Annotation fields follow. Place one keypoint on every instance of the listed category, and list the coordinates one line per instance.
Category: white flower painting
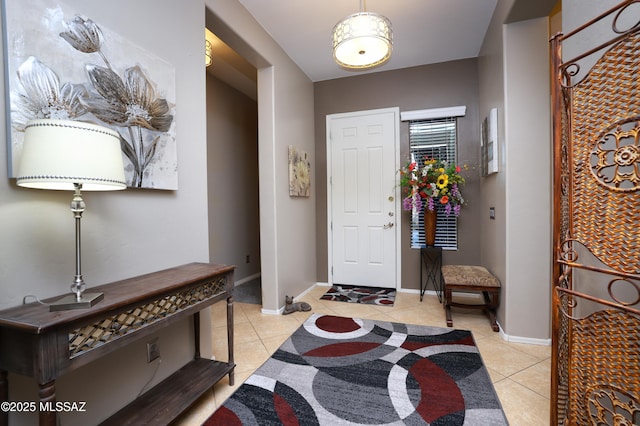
(299, 173)
(64, 65)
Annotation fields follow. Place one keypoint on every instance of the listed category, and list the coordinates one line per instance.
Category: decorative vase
(429, 221)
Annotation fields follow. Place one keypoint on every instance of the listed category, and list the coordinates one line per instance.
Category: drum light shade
(362, 41)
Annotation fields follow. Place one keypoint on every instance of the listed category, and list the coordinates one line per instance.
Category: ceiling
(424, 32)
(231, 68)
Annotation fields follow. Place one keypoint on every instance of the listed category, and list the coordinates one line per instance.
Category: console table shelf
(45, 345)
(165, 401)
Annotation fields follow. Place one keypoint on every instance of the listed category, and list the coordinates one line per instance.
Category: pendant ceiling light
(208, 53)
(209, 40)
(362, 41)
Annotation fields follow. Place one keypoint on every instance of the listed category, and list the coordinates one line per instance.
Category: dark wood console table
(45, 345)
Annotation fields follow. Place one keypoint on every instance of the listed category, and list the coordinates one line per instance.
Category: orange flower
(444, 199)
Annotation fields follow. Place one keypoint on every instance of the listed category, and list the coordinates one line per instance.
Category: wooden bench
(471, 279)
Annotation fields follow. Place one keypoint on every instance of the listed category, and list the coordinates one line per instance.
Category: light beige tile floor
(520, 372)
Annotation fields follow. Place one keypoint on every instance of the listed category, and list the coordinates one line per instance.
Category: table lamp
(73, 156)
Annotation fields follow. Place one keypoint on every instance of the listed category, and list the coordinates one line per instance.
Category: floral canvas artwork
(65, 65)
(299, 173)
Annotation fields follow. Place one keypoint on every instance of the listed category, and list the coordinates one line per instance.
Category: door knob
(388, 225)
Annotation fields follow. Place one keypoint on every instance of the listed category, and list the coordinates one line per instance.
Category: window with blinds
(434, 138)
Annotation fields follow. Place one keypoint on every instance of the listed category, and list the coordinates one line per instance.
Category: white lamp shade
(362, 41)
(56, 154)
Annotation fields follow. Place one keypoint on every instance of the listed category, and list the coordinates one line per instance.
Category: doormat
(361, 294)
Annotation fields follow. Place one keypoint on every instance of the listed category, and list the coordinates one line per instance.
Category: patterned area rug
(344, 371)
(360, 294)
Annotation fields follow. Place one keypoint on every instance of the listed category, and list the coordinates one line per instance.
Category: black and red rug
(361, 294)
(345, 371)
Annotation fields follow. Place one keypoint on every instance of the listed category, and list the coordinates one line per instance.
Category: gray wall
(516, 246)
(133, 232)
(232, 159)
(528, 179)
(577, 12)
(285, 117)
(433, 86)
(124, 233)
(514, 76)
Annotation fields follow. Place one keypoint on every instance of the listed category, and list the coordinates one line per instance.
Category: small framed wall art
(299, 173)
(489, 143)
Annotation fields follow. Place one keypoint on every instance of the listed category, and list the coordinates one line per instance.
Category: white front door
(362, 156)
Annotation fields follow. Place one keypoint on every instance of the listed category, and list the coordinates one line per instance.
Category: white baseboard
(304, 292)
(526, 340)
(414, 291)
(247, 279)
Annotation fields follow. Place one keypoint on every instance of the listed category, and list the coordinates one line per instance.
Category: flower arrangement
(433, 182)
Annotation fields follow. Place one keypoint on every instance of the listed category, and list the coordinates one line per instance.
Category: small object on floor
(290, 306)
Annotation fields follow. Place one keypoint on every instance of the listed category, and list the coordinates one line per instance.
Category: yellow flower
(441, 170)
(443, 181)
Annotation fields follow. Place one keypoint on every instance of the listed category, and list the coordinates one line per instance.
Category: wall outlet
(492, 213)
(153, 350)
(248, 259)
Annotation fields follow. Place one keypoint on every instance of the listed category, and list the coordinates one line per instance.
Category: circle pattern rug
(347, 371)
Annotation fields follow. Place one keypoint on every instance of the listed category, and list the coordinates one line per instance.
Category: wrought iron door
(596, 292)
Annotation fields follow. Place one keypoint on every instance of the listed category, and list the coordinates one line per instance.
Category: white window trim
(446, 227)
(428, 114)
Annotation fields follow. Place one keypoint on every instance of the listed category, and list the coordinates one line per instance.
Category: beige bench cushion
(465, 275)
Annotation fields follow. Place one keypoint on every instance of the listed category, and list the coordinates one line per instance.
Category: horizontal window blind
(434, 138)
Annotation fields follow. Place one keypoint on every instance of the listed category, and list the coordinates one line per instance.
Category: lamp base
(69, 302)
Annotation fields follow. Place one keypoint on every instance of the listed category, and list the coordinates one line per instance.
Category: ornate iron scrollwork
(615, 157)
(612, 406)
